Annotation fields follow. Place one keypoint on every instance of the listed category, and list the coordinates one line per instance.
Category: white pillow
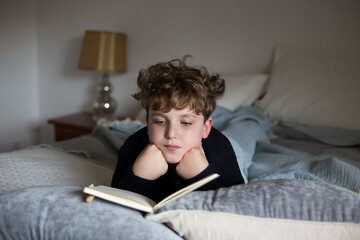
(193, 224)
(313, 88)
(242, 90)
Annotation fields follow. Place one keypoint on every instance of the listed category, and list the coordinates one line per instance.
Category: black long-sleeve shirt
(218, 151)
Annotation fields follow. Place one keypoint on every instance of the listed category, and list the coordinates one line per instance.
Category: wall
(19, 106)
(226, 36)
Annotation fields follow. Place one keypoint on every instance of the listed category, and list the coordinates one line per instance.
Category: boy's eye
(158, 122)
(186, 123)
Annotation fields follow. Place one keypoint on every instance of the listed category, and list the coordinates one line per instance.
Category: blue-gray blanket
(264, 150)
(269, 151)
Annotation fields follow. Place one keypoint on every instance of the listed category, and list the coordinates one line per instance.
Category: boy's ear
(207, 127)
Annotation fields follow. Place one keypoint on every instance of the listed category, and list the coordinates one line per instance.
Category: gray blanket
(269, 151)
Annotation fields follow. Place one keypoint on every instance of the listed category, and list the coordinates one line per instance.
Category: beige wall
(227, 36)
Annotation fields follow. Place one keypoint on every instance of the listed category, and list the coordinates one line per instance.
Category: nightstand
(73, 125)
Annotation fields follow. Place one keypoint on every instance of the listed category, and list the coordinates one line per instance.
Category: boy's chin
(172, 159)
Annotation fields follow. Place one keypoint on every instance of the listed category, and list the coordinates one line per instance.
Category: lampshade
(103, 51)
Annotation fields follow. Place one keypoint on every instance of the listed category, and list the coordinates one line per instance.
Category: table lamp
(106, 52)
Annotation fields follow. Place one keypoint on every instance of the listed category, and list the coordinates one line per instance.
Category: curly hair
(175, 85)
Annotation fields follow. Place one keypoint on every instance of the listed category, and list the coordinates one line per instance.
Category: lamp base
(105, 105)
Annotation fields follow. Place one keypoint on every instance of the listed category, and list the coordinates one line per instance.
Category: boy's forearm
(206, 172)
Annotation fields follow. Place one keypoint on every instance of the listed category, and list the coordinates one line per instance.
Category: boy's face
(176, 132)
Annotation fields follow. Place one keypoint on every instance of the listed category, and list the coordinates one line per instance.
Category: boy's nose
(171, 131)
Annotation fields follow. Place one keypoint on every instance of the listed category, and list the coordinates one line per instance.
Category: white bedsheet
(38, 167)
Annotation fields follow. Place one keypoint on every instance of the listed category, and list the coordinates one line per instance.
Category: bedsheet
(38, 167)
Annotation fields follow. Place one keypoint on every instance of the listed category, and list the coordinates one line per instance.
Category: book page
(140, 202)
(122, 197)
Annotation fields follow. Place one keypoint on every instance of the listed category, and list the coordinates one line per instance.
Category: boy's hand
(192, 163)
(150, 164)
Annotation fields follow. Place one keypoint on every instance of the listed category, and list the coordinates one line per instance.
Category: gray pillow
(273, 209)
(281, 198)
(60, 212)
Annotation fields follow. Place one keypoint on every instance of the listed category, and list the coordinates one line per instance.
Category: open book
(140, 202)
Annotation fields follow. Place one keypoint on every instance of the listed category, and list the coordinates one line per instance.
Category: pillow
(313, 88)
(218, 225)
(60, 212)
(242, 90)
(282, 209)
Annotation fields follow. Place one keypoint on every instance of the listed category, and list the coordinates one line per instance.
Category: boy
(179, 145)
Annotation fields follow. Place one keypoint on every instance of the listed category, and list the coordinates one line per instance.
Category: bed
(296, 135)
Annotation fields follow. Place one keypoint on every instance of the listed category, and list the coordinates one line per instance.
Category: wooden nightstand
(74, 125)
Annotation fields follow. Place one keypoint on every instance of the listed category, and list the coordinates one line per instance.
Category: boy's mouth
(171, 147)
